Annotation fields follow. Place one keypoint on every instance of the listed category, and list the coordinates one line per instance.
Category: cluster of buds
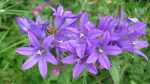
(73, 39)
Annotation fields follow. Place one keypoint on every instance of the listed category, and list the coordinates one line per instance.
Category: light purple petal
(80, 49)
(68, 14)
(69, 59)
(68, 45)
(78, 68)
(58, 21)
(104, 61)
(60, 10)
(113, 50)
(92, 58)
(47, 41)
(121, 14)
(30, 62)
(95, 33)
(24, 23)
(51, 59)
(33, 39)
(28, 51)
(42, 68)
(91, 68)
(73, 30)
(104, 22)
(140, 44)
(140, 27)
(106, 36)
(137, 52)
(83, 19)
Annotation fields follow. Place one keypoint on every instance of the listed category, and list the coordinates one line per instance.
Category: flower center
(100, 50)
(133, 43)
(61, 41)
(81, 35)
(51, 30)
(40, 52)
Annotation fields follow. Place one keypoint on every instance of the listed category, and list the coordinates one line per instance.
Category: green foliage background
(126, 68)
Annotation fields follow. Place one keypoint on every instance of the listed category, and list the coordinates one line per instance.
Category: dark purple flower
(38, 53)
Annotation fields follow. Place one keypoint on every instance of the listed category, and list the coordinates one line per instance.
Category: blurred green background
(126, 68)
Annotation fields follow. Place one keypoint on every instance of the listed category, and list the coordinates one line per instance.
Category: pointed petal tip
(139, 53)
(77, 70)
(43, 68)
(29, 63)
(92, 58)
(51, 59)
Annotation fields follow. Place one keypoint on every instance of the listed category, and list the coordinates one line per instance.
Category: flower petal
(42, 68)
(30, 62)
(78, 68)
(137, 52)
(52, 59)
(121, 14)
(83, 19)
(69, 59)
(33, 39)
(60, 11)
(68, 45)
(24, 23)
(47, 41)
(73, 30)
(106, 36)
(92, 58)
(28, 51)
(104, 61)
(91, 68)
(80, 49)
(113, 50)
(140, 44)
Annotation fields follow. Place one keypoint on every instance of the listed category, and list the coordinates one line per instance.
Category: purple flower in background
(39, 8)
(78, 61)
(56, 71)
(38, 53)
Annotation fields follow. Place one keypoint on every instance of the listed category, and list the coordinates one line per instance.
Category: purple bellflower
(38, 53)
(38, 27)
(100, 54)
(86, 31)
(124, 33)
(77, 41)
(61, 21)
(79, 62)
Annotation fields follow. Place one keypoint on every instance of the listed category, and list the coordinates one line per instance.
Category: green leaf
(115, 72)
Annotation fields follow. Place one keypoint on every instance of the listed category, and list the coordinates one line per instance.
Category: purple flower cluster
(73, 39)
